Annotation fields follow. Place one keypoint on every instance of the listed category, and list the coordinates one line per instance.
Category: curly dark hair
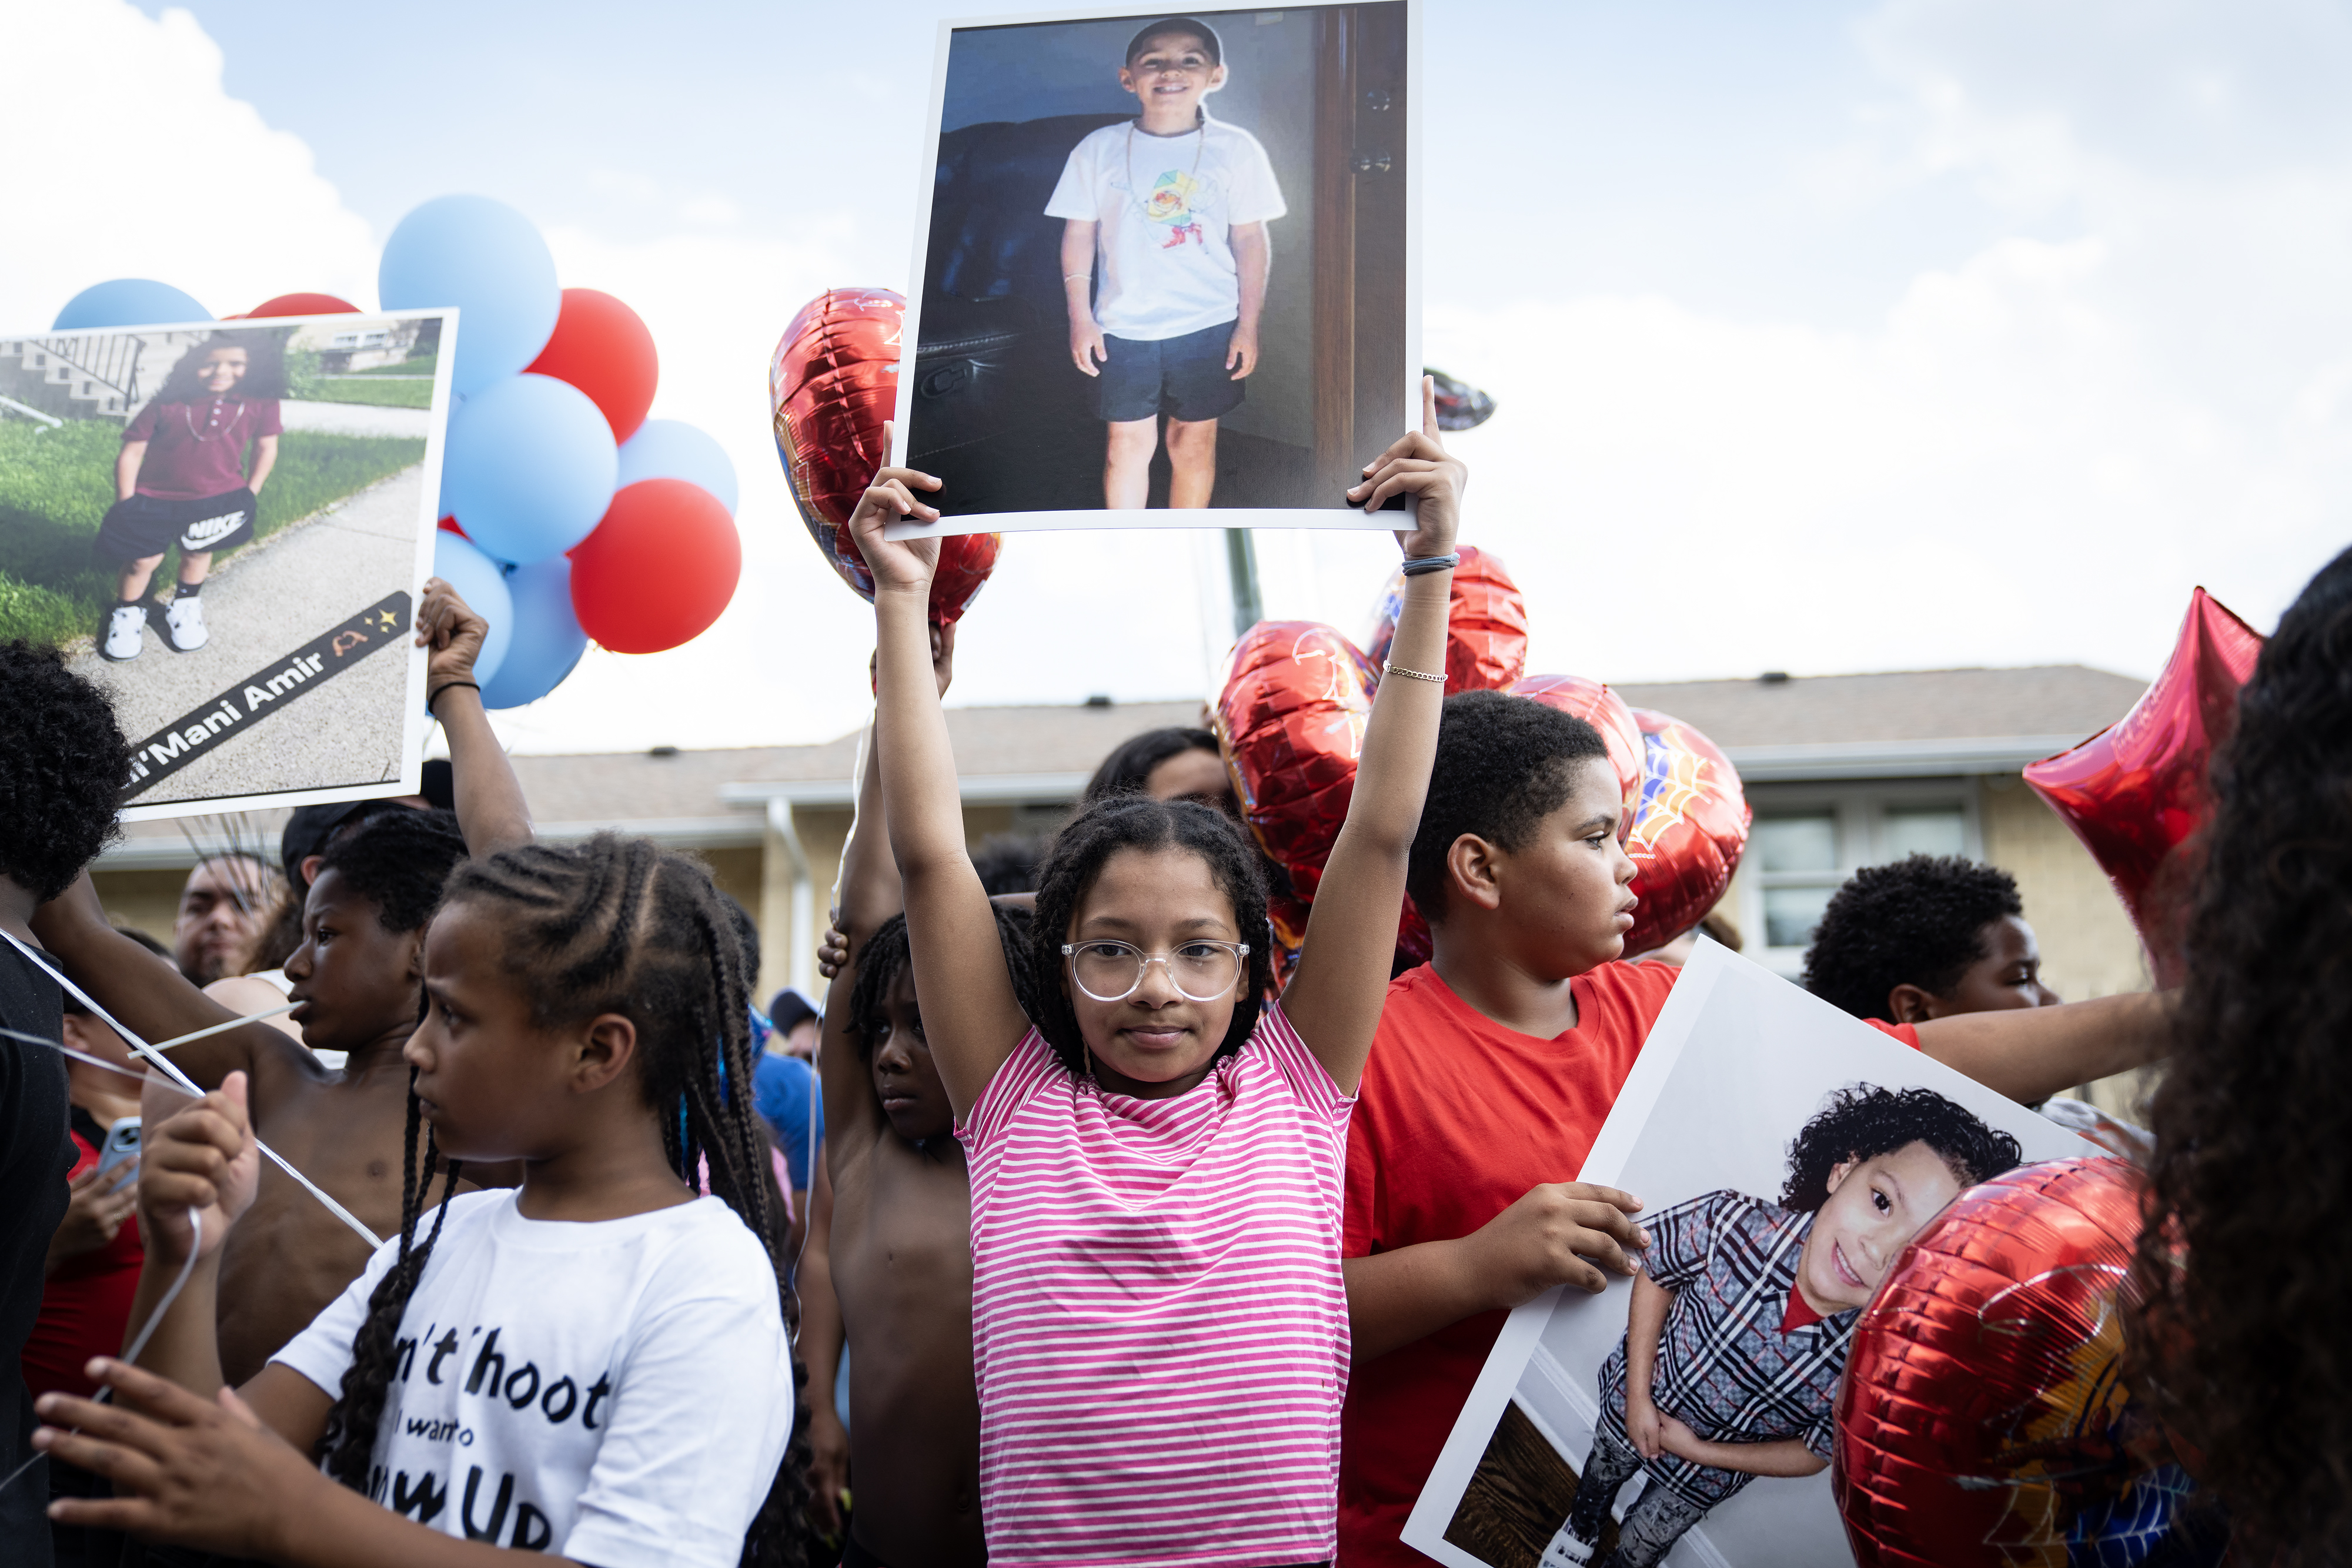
(63, 767)
(1862, 1121)
(1503, 764)
(399, 862)
(886, 953)
(1918, 921)
(1007, 863)
(619, 926)
(1129, 767)
(1080, 851)
(265, 364)
(2238, 1285)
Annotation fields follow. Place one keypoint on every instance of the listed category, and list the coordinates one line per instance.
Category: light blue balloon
(548, 641)
(128, 302)
(669, 449)
(482, 584)
(528, 468)
(487, 259)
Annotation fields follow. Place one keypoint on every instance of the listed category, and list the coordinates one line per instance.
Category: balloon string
(146, 1330)
(172, 1071)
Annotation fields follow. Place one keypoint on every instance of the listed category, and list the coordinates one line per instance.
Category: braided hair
(618, 925)
(887, 953)
(1079, 852)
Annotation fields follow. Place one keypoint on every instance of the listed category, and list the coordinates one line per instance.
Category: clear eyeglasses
(1112, 971)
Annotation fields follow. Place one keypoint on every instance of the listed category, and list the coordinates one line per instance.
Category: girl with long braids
(593, 1366)
(1160, 1325)
(2238, 1284)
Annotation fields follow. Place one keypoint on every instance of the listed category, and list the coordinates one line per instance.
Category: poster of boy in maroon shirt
(214, 520)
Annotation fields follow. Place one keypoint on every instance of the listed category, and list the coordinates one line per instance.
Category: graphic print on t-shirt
(1170, 202)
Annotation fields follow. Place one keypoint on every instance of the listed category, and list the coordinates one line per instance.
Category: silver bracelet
(1068, 276)
(1422, 565)
(1417, 674)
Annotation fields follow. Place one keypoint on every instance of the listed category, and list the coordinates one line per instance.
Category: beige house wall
(148, 900)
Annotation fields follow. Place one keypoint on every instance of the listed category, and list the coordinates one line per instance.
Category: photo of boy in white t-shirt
(1165, 258)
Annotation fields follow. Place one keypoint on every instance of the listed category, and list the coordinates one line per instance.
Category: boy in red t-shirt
(1495, 1065)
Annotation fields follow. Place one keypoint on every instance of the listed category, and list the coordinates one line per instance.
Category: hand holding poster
(1786, 1152)
(1167, 266)
(215, 520)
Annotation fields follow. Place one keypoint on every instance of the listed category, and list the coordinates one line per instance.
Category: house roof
(1909, 723)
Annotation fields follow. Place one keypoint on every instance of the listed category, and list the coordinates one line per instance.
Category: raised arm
(949, 925)
(153, 998)
(2032, 1053)
(491, 810)
(1333, 999)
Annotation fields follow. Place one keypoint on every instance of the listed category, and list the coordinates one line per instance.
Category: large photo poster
(1167, 267)
(226, 526)
(1785, 1153)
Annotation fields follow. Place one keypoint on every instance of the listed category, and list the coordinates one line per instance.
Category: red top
(1799, 1313)
(1457, 1118)
(88, 1301)
(196, 449)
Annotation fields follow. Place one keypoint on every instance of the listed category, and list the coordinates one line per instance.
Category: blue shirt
(783, 1090)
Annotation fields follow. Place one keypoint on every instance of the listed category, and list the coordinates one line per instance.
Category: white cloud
(128, 160)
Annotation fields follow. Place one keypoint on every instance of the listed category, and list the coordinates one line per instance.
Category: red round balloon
(658, 569)
(604, 348)
(301, 305)
(2136, 792)
(1689, 830)
(1983, 1418)
(833, 383)
(1485, 624)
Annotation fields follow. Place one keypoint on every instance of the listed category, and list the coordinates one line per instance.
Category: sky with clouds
(1827, 336)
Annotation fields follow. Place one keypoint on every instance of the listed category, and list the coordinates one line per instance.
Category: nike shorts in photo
(1184, 378)
(148, 525)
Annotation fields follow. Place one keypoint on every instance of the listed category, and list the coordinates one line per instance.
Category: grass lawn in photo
(56, 485)
(374, 391)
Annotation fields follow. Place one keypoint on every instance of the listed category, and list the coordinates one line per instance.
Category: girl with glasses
(1157, 1155)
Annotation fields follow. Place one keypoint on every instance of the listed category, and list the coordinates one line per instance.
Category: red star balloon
(1485, 624)
(2136, 792)
(1983, 1419)
(833, 383)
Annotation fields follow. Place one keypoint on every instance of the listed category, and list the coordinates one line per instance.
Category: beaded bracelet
(1421, 565)
(1417, 674)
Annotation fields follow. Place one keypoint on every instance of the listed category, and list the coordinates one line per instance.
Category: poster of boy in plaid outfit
(1739, 1319)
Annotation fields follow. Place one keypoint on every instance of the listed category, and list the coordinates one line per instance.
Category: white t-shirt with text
(617, 1392)
(1165, 207)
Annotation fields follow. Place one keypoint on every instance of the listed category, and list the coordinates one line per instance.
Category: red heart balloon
(833, 383)
(2136, 793)
(1689, 830)
(1291, 707)
(1983, 1418)
(1485, 624)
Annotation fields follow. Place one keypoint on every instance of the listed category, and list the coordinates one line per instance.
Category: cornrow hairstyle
(63, 766)
(1078, 855)
(1127, 770)
(399, 862)
(1503, 764)
(1862, 1121)
(2235, 1286)
(886, 953)
(618, 925)
(1919, 920)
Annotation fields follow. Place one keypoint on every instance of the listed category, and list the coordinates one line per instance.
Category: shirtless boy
(356, 980)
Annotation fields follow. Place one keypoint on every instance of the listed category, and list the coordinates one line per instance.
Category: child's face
(1876, 1206)
(491, 1080)
(1171, 75)
(1562, 901)
(354, 981)
(222, 370)
(906, 1079)
(1157, 900)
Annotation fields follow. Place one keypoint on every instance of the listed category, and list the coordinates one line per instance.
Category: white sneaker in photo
(122, 639)
(183, 626)
(1565, 1550)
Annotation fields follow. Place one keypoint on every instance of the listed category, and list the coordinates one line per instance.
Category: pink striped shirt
(1158, 1324)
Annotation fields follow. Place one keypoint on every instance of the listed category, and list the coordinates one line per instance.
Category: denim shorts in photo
(1184, 378)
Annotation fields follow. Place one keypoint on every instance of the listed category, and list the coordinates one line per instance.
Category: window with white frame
(1807, 840)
